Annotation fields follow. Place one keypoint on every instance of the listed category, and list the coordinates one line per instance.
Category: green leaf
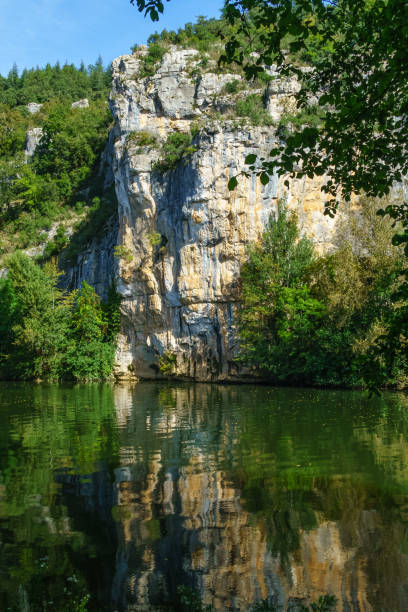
(264, 178)
(251, 158)
(232, 183)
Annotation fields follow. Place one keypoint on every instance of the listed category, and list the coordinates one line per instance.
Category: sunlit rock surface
(81, 103)
(184, 234)
(33, 107)
(33, 138)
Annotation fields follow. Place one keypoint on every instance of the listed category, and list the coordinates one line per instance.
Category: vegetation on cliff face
(203, 35)
(178, 146)
(321, 320)
(48, 334)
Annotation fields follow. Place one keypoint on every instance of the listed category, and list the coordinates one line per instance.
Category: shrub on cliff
(252, 107)
(151, 59)
(141, 139)
(202, 35)
(177, 146)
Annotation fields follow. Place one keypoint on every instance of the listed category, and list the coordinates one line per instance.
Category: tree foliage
(151, 7)
(71, 144)
(279, 316)
(52, 335)
(320, 320)
(91, 353)
(359, 77)
(65, 83)
(66, 162)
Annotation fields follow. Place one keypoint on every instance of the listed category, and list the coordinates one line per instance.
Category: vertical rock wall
(183, 235)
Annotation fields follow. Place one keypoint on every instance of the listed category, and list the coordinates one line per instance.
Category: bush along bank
(320, 321)
(51, 335)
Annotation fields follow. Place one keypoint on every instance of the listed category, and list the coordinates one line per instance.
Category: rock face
(185, 235)
(33, 107)
(33, 138)
(182, 235)
(80, 104)
(96, 263)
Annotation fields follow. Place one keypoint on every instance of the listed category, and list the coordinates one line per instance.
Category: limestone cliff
(182, 235)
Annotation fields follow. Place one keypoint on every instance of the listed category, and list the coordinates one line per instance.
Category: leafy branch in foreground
(150, 7)
(359, 78)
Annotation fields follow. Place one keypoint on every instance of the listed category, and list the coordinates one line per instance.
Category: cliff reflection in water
(249, 493)
(241, 493)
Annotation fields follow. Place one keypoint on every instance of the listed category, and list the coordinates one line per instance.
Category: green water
(113, 497)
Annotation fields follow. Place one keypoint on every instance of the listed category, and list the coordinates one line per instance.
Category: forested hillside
(60, 184)
(47, 199)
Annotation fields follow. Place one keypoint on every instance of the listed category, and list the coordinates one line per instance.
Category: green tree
(45, 333)
(13, 126)
(97, 76)
(8, 307)
(112, 314)
(40, 315)
(325, 320)
(34, 190)
(91, 353)
(279, 316)
(52, 82)
(72, 142)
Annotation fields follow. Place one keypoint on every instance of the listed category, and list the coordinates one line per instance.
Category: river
(114, 497)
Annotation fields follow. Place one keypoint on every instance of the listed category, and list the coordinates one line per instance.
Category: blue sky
(34, 32)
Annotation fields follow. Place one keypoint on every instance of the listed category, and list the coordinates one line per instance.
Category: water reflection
(242, 493)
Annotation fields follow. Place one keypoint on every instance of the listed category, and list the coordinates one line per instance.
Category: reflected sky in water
(113, 497)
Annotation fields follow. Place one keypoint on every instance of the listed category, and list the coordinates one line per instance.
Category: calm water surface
(122, 494)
